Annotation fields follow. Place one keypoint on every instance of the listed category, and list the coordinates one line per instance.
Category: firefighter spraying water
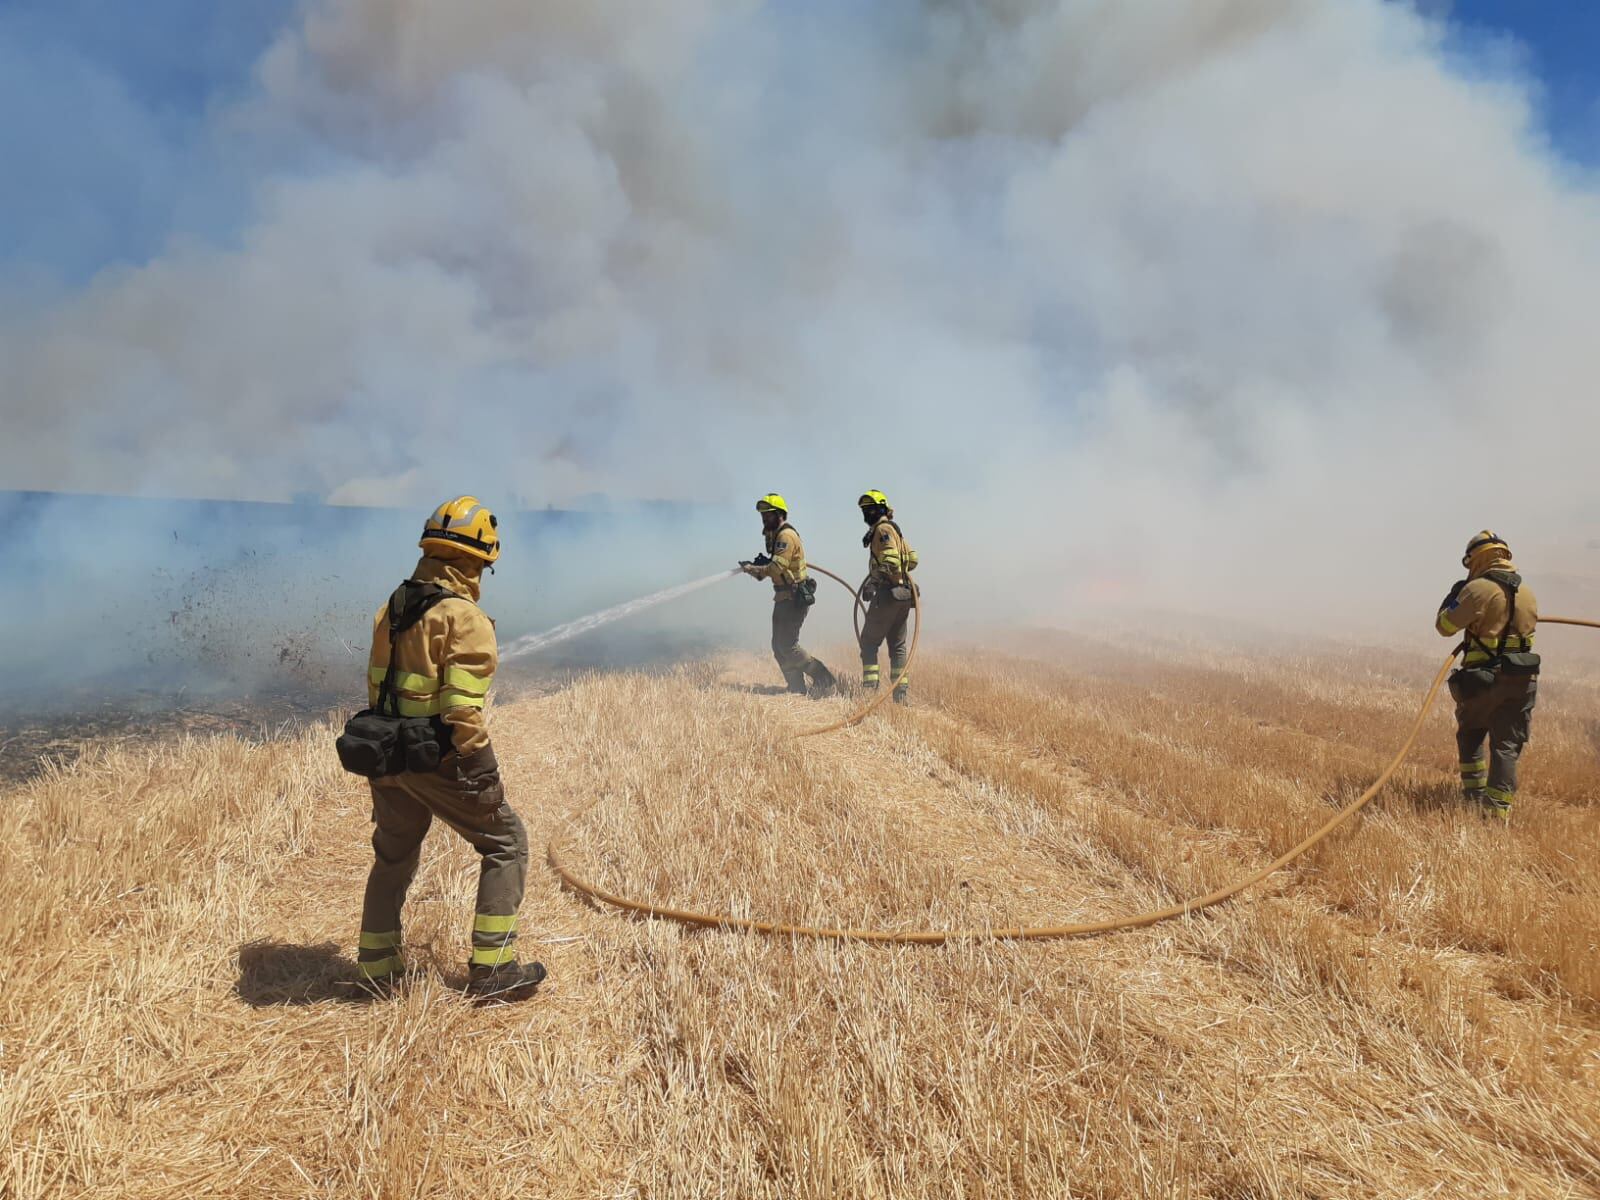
(793, 594)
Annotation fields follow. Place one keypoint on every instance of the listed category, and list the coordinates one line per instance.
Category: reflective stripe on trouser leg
(1499, 795)
(1475, 775)
(378, 954)
(885, 622)
(1509, 726)
(400, 822)
(791, 656)
(493, 939)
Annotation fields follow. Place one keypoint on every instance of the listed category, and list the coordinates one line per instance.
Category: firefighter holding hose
(1497, 684)
(888, 593)
(424, 744)
(793, 594)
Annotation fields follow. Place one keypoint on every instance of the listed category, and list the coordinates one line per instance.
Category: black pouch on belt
(370, 745)
(805, 592)
(425, 741)
(374, 744)
(1471, 682)
(1524, 662)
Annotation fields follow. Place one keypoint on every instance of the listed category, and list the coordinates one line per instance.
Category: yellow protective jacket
(890, 560)
(446, 661)
(788, 554)
(1479, 612)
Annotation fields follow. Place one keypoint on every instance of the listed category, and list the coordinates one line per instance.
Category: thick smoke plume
(1233, 305)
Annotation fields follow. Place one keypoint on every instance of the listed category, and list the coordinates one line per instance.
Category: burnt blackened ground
(30, 740)
(312, 688)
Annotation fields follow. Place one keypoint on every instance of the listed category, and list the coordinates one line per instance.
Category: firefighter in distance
(793, 594)
(1497, 684)
(888, 593)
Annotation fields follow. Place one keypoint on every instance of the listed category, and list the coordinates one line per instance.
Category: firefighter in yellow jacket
(433, 660)
(1497, 684)
(888, 593)
(793, 594)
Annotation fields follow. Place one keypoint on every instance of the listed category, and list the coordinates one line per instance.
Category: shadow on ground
(273, 973)
(1414, 795)
(1429, 796)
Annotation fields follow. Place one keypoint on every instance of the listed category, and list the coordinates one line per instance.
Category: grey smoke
(1147, 302)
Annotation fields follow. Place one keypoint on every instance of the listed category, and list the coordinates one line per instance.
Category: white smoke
(1165, 297)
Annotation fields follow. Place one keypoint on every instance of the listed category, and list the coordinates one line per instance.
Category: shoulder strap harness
(407, 605)
(1509, 582)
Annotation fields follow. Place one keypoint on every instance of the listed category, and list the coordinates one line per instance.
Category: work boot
(796, 679)
(510, 980)
(382, 987)
(902, 695)
(1495, 803)
(823, 682)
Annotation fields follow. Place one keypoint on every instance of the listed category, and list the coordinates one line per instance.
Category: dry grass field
(1414, 1010)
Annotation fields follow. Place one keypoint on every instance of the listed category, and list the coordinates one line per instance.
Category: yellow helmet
(772, 502)
(464, 526)
(873, 498)
(1487, 546)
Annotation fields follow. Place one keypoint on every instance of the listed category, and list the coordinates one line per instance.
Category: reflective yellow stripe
(420, 708)
(383, 966)
(485, 923)
(1483, 649)
(456, 700)
(406, 681)
(379, 941)
(493, 956)
(1447, 626)
(457, 680)
(1504, 795)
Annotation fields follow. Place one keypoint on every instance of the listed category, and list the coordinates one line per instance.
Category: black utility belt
(803, 593)
(376, 745)
(900, 592)
(1472, 681)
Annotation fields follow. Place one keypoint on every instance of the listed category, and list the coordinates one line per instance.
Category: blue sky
(108, 153)
(1558, 43)
(102, 125)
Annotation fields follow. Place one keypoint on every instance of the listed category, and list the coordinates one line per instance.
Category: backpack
(1474, 681)
(379, 742)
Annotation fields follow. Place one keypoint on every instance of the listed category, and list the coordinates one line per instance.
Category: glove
(1450, 596)
(478, 774)
(869, 592)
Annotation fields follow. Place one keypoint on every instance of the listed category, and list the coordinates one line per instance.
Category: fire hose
(935, 937)
(857, 608)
